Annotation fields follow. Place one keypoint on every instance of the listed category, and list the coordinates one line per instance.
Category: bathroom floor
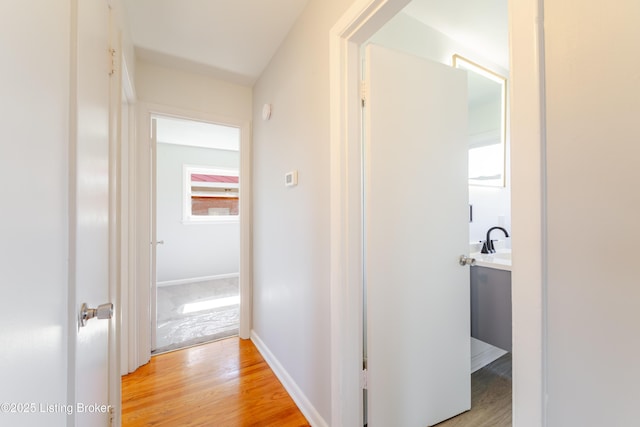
(490, 397)
(194, 313)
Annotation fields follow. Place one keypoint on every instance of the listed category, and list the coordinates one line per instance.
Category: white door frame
(126, 309)
(144, 212)
(359, 23)
(116, 219)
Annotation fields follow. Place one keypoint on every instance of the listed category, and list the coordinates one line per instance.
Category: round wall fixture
(266, 111)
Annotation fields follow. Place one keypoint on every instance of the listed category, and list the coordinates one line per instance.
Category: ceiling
(481, 25)
(231, 39)
(234, 40)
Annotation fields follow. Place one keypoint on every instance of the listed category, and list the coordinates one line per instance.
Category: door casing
(144, 262)
(91, 247)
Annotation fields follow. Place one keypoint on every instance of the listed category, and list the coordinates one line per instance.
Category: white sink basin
(501, 255)
(500, 260)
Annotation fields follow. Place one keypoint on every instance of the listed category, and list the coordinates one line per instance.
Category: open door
(416, 228)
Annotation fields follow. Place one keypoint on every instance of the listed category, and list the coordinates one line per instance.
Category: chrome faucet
(487, 245)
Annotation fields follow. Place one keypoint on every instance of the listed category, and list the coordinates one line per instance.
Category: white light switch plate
(291, 179)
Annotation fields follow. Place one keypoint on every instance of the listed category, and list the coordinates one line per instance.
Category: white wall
(190, 91)
(409, 35)
(593, 149)
(34, 166)
(192, 250)
(291, 225)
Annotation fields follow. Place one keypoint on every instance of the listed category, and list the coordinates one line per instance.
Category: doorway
(197, 229)
(355, 27)
(438, 33)
(141, 298)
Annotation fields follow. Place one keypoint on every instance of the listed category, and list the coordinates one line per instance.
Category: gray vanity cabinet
(491, 306)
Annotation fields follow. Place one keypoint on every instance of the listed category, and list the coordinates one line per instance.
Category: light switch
(291, 179)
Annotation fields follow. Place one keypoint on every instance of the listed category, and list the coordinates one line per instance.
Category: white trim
(196, 279)
(117, 217)
(215, 185)
(360, 21)
(246, 221)
(304, 404)
(153, 220)
(127, 84)
(211, 220)
(528, 195)
(129, 319)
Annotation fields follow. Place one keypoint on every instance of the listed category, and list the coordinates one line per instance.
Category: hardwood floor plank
(225, 383)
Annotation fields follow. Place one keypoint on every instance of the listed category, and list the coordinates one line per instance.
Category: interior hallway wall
(192, 91)
(192, 250)
(291, 224)
(593, 147)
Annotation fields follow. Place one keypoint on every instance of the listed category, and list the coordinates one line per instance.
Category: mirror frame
(469, 65)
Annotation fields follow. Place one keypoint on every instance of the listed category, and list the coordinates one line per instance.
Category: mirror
(486, 123)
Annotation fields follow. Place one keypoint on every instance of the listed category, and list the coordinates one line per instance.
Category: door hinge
(363, 92)
(364, 379)
(112, 414)
(112, 61)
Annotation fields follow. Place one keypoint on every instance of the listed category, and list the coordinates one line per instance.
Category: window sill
(213, 220)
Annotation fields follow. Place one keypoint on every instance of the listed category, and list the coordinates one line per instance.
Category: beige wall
(593, 200)
(191, 91)
(291, 225)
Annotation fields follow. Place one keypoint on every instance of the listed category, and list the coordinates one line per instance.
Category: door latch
(104, 311)
(465, 260)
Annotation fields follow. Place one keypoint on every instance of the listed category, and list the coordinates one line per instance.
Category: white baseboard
(196, 279)
(311, 414)
(482, 354)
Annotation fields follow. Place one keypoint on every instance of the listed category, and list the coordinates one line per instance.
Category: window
(211, 195)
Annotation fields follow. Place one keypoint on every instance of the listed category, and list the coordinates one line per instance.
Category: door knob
(104, 311)
(465, 260)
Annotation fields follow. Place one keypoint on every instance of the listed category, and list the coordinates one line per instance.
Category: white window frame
(187, 216)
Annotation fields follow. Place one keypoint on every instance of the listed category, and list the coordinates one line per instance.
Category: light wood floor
(490, 397)
(224, 384)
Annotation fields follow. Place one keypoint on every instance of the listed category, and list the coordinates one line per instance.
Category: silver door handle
(465, 260)
(159, 242)
(104, 311)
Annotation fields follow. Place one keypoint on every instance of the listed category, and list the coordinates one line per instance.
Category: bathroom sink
(501, 255)
(500, 260)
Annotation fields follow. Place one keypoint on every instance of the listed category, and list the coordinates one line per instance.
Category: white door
(90, 212)
(416, 227)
